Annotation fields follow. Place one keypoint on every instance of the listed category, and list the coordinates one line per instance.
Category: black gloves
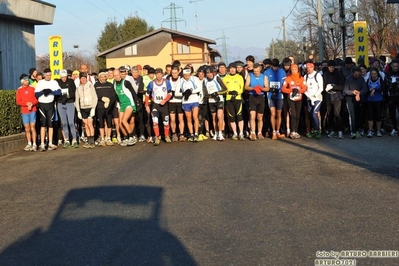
(46, 92)
(215, 96)
(233, 95)
(295, 92)
(187, 94)
(274, 91)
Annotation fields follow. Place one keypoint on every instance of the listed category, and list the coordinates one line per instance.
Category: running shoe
(280, 136)
(310, 134)
(118, 140)
(241, 137)
(60, 142)
(379, 133)
(142, 138)
(216, 136)
(191, 138)
(204, 137)
(182, 138)
(274, 137)
(175, 138)
(28, 148)
(260, 136)
(51, 147)
(340, 135)
(393, 133)
(220, 137)
(168, 140)
(353, 135)
(358, 135)
(131, 141)
(42, 147)
(123, 143)
(252, 136)
(296, 135)
(92, 145)
(108, 142)
(67, 144)
(196, 139)
(211, 134)
(370, 134)
(75, 144)
(317, 134)
(234, 137)
(361, 132)
(86, 145)
(157, 141)
(102, 143)
(150, 139)
(332, 134)
(114, 140)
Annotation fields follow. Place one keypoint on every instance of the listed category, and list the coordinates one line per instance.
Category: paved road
(210, 203)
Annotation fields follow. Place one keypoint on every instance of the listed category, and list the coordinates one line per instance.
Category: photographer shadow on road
(117, 225)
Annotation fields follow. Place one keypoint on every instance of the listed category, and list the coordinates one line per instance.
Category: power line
(145, 12)
(292, 10)
(112, 8)
(157, 3)
(76, 16)
(242, 26)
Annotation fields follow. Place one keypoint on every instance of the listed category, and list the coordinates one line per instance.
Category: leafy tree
(115, 34)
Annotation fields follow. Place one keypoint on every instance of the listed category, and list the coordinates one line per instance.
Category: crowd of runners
(240, 101)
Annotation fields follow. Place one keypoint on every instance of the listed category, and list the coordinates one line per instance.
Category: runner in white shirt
(190, 103)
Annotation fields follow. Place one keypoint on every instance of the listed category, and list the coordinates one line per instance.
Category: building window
(183, 49)
(131, 50)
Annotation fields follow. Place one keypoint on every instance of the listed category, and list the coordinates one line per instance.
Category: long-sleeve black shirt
(105, 89)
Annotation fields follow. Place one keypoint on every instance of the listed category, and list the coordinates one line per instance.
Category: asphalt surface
(210, 203)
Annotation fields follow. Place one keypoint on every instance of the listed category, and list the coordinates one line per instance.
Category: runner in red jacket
(26, 99)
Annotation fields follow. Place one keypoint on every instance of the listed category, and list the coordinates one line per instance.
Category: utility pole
(196, 12)
(284, 38)
(320, 30)
(273, 54)
(224, 48)
(173, 19)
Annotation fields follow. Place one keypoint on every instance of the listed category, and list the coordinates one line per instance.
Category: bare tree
(305, 17)
(382, 25)
(71, 60)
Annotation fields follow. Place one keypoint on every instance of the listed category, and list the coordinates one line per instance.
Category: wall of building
(17, 51)
(159, 60)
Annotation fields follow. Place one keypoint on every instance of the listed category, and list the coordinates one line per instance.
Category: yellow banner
(361, 42)
(56, 59)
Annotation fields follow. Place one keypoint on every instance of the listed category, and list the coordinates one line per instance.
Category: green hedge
(10, 114)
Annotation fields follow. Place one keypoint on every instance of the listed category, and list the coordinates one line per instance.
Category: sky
(245, 24)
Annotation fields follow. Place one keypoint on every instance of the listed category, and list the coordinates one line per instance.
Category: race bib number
(64, 91)
(274, 84)
(211, 87)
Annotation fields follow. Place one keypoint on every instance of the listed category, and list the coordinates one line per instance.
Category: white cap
(63, 73)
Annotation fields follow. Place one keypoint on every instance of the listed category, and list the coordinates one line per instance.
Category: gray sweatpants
(67, 116)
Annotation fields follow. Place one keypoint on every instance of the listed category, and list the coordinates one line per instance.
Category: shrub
(10, 114)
